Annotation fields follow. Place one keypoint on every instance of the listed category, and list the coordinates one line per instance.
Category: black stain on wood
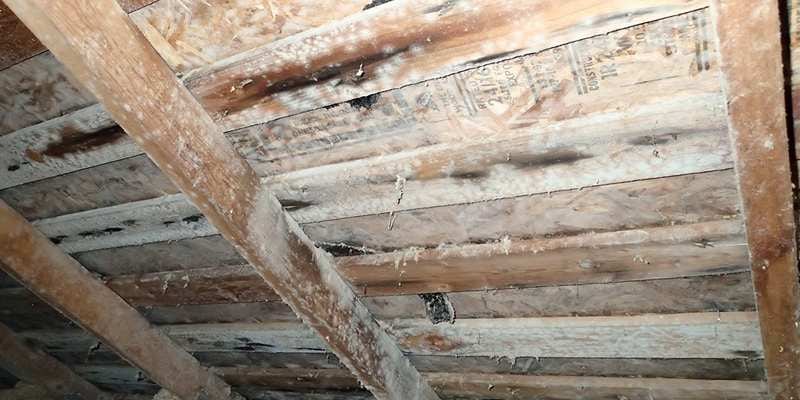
(101, 232)
(364, 103)
(549, 158)
(193, 218)
(58, 239)
(294, 205)
(652, 140)
(469, 175)
(491, 57)
(344, 249)
(13, 168)
(441, 8)
(438, 307)
(374, 3)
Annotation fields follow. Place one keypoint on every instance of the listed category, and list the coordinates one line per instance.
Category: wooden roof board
(450, 159)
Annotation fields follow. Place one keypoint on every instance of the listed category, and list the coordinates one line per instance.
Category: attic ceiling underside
(564, 177)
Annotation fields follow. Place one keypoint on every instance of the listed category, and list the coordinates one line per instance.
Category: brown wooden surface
(18, 43)
(36, 367)
(750, 46)
(64, 284)
(186, 144)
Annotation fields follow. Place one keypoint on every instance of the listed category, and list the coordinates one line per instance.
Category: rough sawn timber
(63, 283)
(105, 51)
(750, 46)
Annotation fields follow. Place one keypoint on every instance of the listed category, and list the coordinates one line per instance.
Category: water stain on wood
(73, 141)
(431, 342)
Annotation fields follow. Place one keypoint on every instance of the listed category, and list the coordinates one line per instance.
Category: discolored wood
(185, 143)
(639, 80)
(412, 41)
(36, 367)
(63, 283)
(750, 45)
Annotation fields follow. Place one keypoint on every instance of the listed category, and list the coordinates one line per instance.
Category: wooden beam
(62, 282)
(750, 48)
(106, 52)
(36, 367)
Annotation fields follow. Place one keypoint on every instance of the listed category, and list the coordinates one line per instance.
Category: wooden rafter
(37, 368)
(106, 52)
(62, 282)
(750, 48)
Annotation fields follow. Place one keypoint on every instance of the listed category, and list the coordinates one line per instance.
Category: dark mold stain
(343, 249)
(364, 103)
(294, 77)
(58, 239)
(168, 223)
(101, 232)
(13, 167)
(491, 57)
(651, 140)
(75, 141)
(293, 205)
(193, 218)
(438, 307)
(552, 157)
(470, 175)
(310, 349)
(442, 8)
(374, 3)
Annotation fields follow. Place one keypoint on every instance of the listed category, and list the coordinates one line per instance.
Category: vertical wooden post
(750, 47)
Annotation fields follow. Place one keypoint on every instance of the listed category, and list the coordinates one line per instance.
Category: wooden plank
(123, 181)
(705, 368)
(664, 201)
(643, 254)
(641, 204)
(591, 258)
(750, 43)
(59, 280)
(477, 384)
(417, 40)
(36, 367)
(569, 388)
(714, 335)
(26, 100)
(632, 64)
(188, 33)
(699, 335)
(192, 34)
(197, 158)
(722, 293)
